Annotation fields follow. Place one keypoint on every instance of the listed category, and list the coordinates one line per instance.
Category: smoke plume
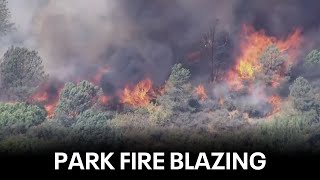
(142, 38)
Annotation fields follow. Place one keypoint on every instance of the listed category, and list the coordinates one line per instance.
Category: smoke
(140, 38)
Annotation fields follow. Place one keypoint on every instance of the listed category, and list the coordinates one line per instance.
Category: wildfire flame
(40, 97)
(275, 101)
(252, 46)
(104, 100)
(200, 91)
(247, 64)
(47, 96)
(140, 95)
(50, 108)
(221, 101)
(245, 69)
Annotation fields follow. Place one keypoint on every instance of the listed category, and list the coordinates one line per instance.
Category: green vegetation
(5, 24)
(305, 98)
(313, 58)
(21, 72)
(177, 119)
(75, 99)
(17, 118)
(273, 64)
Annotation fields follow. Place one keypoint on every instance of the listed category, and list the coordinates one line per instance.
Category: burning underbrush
(252, 46)
(262, 65)
(139, 95)
(183, 110)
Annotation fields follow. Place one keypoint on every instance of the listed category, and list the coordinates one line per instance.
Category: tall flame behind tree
(216, 44)
(264, 59)
(247, 67)
(201, 92)
(251, 48)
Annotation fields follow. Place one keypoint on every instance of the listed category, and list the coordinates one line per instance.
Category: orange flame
(140, 95)
(252, 46)
(48, 98)
(50, 108)
(221, 101)
(104, 100)
(41, 96)
(275, 101)
(200, 91)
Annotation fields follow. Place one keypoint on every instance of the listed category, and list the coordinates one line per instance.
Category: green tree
(5, 24)
(21, 72)
(304, 95)
(313, 58)
(19, 117)
(179, 76)
(76, 98)
(178, 94)
(273, 64)
(92, 127)
(50, 131)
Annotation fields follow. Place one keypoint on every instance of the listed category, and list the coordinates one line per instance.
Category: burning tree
(274, 68)
(21, 72)
(255, 55)
(263, 64)
(216, 45)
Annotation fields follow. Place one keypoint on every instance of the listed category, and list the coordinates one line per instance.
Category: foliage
(91, 127)
(21, 72)
(158, 114)
(313, 58)
(178, 94)
(273, 64)
(175, 120)
(284, 133)
(49, 130)
(179, 76)
(21, 144)
(76, 98)
(303, 95)
(5, 24)
(19, 117)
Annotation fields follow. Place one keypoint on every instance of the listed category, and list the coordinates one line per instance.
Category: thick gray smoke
(142, 37)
